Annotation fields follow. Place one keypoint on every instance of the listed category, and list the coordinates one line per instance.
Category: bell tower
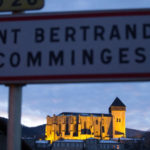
(117, 110)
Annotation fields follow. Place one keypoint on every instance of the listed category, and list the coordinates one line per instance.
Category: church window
(84, 125)
(96, 121)
(59, 128)
(118, 120)
(103, 129)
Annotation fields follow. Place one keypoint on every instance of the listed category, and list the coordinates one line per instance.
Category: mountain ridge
(39, 131)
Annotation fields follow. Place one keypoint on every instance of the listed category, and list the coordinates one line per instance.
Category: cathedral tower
(117, 110)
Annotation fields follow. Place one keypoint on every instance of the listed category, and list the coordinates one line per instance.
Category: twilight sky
(38, 101)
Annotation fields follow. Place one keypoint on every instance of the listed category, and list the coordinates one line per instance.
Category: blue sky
(38, 101)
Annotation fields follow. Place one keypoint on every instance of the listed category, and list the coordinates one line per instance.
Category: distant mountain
(134, 133)
(33, 131)
(39, 131)
(26, 131)
(3, 127)
(3, 119)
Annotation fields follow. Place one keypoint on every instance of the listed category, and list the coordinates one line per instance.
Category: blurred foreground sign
(19, 5)
(75, 47)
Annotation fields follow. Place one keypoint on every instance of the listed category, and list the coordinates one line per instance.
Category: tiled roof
(118, 102)
(82, 114)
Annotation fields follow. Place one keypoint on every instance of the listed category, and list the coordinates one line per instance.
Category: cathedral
(71, 125)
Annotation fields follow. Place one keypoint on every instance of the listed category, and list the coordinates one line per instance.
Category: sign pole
(15, 90)
(14, 122)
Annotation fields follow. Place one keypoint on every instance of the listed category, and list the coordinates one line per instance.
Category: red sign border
(73, 15)
(80, 78)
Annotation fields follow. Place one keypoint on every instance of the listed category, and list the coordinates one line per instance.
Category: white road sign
(74, 47)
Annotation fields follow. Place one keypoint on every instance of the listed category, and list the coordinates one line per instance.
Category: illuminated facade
(88, 125)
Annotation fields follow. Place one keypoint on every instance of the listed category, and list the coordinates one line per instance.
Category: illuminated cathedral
(70, 125)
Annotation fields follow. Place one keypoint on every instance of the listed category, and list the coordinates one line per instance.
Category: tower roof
(118, 102)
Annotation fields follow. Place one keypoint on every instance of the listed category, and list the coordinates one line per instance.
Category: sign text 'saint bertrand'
(88, 56)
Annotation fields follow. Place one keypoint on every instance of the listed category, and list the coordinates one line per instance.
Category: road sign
(20, 5)
(75, 47)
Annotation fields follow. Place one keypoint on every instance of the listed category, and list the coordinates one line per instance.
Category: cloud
(3, 104)
(56, 101)
(67, 5)
(3, 108)
(138, 118)
(3, 114)
(32, 117)
(42, 100)
(33, 121)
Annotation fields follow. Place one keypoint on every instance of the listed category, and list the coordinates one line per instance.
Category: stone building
(81, 126)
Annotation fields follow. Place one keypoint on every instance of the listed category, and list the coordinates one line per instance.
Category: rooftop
(83, 114)
(107, 141)
(117, 102)
(66, 141)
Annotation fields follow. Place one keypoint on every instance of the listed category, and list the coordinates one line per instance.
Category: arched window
(118, 120)
(85, 125)
(96, 121)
